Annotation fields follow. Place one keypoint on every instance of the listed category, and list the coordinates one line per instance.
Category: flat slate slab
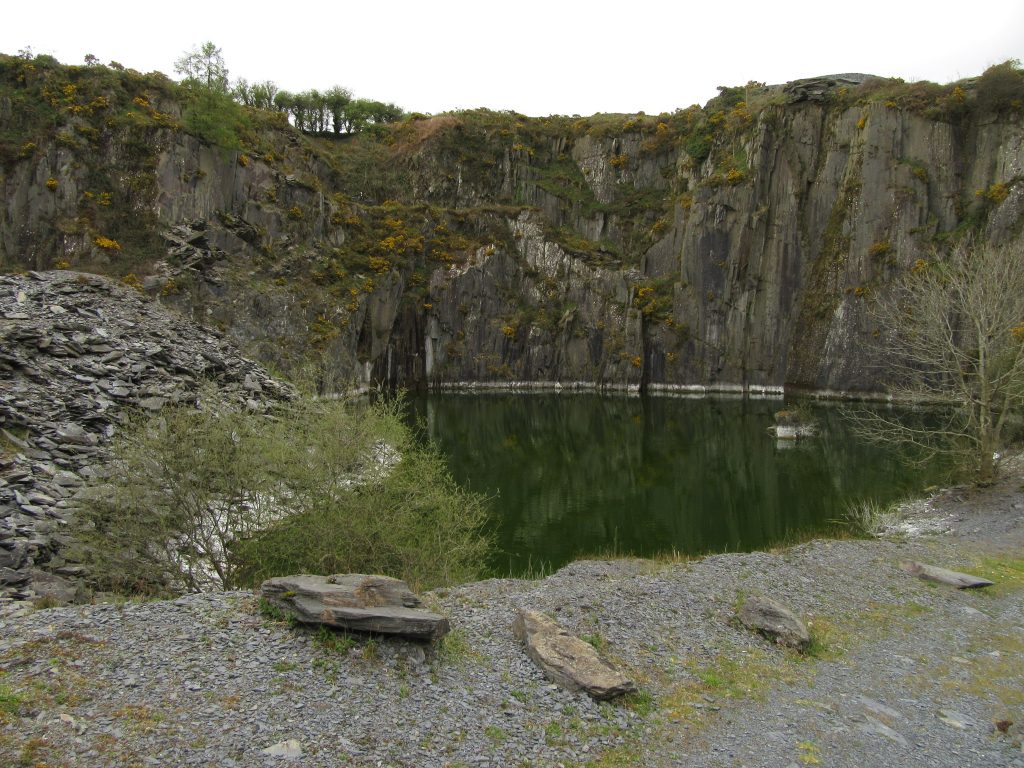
(355, 601)
(567, 660)
(944, 576)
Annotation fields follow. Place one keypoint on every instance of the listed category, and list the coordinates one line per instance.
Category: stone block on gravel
(355, 601)
(290, 749)
(567, 660)
(944, 576)
(775, 621)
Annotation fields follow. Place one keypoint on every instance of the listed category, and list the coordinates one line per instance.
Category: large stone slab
(776, 621)
(355, 601)
(566, 659)
(944, 576)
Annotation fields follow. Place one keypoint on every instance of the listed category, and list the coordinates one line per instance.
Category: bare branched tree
(953, 335)
(204, 67)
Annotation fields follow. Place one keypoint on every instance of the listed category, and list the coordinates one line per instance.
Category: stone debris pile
(76, 351)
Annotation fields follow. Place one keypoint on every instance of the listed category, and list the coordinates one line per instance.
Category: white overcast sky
(538, 57)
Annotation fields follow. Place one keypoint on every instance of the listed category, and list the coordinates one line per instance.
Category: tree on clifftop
(953, 330)
(204, 66)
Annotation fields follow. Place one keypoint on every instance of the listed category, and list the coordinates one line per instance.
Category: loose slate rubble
(76, 351)
(567, 660)
(944, 576)
(355, 601)
(776, 621)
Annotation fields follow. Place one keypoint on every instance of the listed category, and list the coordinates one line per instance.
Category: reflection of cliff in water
(580, 474)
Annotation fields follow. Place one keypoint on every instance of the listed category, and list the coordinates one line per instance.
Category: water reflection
(578, 474)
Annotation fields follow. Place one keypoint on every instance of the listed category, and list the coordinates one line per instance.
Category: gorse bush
(221, 498)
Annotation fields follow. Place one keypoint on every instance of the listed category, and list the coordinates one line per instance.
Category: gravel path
(904, 673)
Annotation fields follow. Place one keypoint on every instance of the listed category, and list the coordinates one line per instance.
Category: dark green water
(579, 474)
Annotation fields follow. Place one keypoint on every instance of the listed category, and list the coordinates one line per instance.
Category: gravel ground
(903, 673)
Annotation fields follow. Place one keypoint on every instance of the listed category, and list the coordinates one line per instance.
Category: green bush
(1001, 87)
(216, 118)
(698, 146)
(224, 498)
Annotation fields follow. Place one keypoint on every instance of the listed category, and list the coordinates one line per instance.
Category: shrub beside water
(224, 498)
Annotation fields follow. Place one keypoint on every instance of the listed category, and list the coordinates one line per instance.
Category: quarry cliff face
(738, 245)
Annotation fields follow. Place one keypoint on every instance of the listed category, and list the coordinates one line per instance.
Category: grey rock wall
(764, 281)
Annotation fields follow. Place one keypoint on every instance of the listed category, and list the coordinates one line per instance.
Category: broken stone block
(775, 621)
(567, 660)
(943, 576)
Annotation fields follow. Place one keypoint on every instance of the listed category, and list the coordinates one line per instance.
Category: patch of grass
(371, 649)
(271, 612)
(141, 719)
(597, 640)
(533, 571)
(732, 674)
(47, 601)
(616, 757)
(9, 446)
(285, 666)
(915, 609)
(495, 734)
(794, 538)
(673, 557)
(11, 702)
(808, 753)
(332, 641)
(994, 676)
(827, 640)
(33, 753)
(642, 702)
(64, 685)
(554, 734)
(455, 648)
(1007, 573)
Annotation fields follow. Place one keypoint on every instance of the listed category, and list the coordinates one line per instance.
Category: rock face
(354, 601)
(566, 659)
(735, 247)
(944, 576)
(76, 351)
(775, 621)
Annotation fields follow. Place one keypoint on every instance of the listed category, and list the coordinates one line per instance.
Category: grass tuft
(333, 642)
(871, 519)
